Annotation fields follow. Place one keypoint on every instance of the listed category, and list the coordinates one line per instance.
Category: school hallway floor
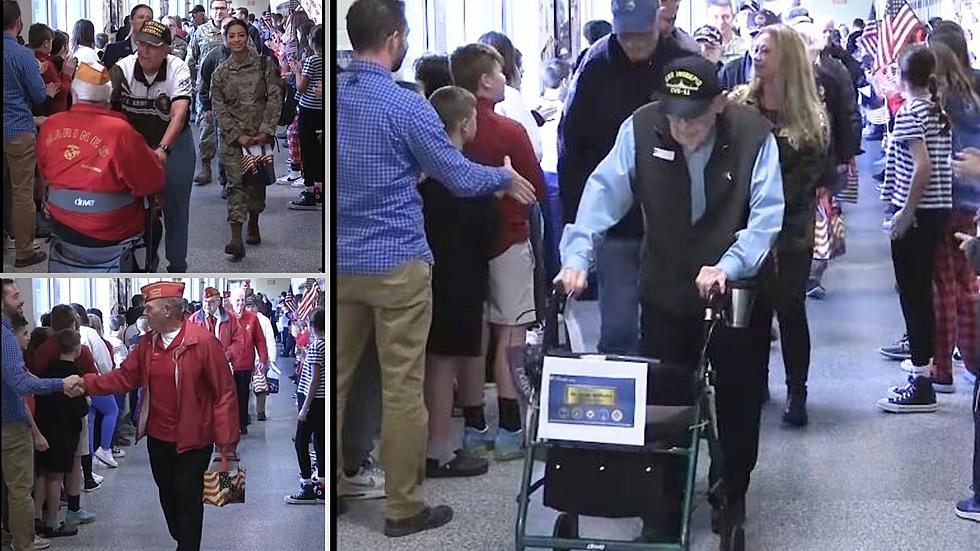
(292, 240)
(130, 518)
(855, 479)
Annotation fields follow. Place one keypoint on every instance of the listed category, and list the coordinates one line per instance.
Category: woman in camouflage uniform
(246, 96)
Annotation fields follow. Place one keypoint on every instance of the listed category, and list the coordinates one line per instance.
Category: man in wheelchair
(706, 174)
(99, 170)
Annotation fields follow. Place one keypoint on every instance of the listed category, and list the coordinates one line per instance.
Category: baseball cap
(708, 34)
(751, 5)
(759, 19)
(154, 33)
(798, 15)
(634, 16)
(690, 85)
(198, 8)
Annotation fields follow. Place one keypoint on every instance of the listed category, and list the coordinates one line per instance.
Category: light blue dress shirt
(608, 196)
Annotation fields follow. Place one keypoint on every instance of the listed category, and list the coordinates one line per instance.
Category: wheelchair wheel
(566, 526)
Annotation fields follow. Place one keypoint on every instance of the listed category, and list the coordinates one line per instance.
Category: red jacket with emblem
(254, 339)
(98, 168)
(228, 331)
(207, 403)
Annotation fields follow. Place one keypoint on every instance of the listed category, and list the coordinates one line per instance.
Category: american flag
(290, 302)
(310, 299)
(897, 28)
(869, 37)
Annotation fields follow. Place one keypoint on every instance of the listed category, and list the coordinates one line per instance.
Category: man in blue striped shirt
(18, 443)
(386, 137)
(22, 85)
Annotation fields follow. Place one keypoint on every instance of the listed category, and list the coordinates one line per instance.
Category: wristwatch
(165, 148)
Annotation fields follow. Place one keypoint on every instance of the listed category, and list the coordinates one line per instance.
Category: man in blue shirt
(706, 175)
(22, 86)
(18, 444)
(386, 137)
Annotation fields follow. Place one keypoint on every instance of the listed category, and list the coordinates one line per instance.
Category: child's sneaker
(476, 442)
(80, 516)
(958, 358)
(508, 445)
(321, 493)
(305, 495)
(969, 509)
(917, 397)
(366, 484)
(898, 351)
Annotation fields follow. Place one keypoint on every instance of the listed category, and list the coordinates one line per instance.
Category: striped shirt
(314, 360)
(917, 119)
(313, 70)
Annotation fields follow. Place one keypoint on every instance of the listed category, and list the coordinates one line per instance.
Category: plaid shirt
(17, 382)
(22, 85)
(386, 137)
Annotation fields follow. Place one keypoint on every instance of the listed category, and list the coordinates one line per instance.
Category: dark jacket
(838, 94)
(116, 51)
(605, 91)
(847, 60)
(735, 72)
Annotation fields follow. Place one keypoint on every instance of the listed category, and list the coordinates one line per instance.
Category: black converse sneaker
(305, 495)
(308, 200)
(917, 397)
(898, 351)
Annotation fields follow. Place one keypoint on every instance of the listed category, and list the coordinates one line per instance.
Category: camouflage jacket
(246, 97)
(205, 38)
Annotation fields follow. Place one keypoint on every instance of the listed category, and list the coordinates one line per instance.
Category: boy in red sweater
(510, 305)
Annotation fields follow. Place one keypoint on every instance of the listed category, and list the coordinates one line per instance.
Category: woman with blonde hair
(784, 91)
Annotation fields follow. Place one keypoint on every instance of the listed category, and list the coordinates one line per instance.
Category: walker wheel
(566, 526)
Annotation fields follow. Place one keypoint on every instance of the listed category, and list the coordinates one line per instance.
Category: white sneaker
(366, 484)
(298, 184)
(118, 452)
(97, 478)
(289, 178)
(917, 369)
(105, 456)
(39, 543)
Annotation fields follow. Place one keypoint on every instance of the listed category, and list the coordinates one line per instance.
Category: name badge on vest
(664, 154)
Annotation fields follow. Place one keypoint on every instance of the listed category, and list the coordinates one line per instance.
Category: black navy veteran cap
(690, 85)
(154, 33)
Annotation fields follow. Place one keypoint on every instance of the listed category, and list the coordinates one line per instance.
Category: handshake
(74, 386)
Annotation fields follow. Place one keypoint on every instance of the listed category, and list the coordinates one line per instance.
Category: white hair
(812, 36)
(237, 292)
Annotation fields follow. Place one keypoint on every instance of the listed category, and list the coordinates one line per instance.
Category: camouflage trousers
(241, 199)
(209, 140)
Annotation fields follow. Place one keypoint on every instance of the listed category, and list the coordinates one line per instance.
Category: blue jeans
(179, 174)
(108, 407)
(617, 262)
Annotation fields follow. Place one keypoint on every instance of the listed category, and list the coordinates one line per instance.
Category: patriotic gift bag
(224, 481)
(272, 379)
(260, 383)
(257, 166)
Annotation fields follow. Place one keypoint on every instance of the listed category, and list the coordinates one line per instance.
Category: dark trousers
(313, 428)
(362, 418)
(789, 301)
(288, 343)
(242, 380)
(310, 121)
(180, 480)
(739, 358)
(913, 258)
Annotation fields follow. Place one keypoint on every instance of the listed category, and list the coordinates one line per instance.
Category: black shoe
(61, 531)
(917, 397)
(305, 496)
(795, 413)
(36, 258)
(243, 430)
(261, 417)
(427, 519)
(460, 466)
(321, 495)
(308, 200)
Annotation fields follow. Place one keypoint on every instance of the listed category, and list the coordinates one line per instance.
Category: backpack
(288, 111)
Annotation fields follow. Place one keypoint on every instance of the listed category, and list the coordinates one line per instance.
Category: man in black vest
(706, 175)
(617, 76)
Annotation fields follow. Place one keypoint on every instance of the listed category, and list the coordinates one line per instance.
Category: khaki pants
(18, 475)
(18, 155)
(398, 306)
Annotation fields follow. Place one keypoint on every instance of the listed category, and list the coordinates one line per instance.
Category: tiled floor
(854, 479)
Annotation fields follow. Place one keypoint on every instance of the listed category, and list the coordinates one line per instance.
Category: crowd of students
(202, 65)
(94, 419)
(434, 238)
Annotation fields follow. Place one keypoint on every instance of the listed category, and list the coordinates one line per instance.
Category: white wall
(340, 20)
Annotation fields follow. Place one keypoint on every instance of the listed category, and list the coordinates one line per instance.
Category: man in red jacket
(98, 170)
(254, 340)
(217, 321)
(188, 406)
